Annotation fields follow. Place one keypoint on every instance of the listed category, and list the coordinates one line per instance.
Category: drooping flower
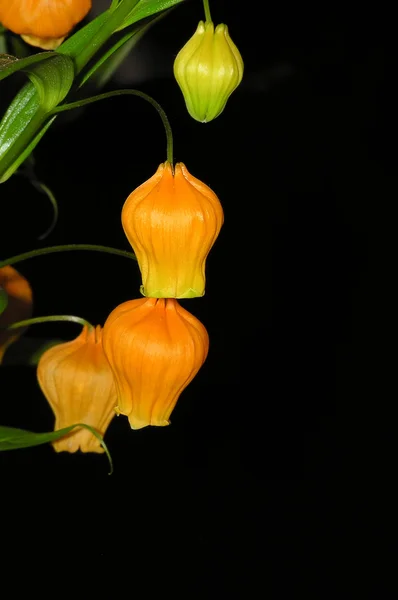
(172, 221)
(155, 349)
(19, 307)
(208, 69)
(43, 23)
(77, 381)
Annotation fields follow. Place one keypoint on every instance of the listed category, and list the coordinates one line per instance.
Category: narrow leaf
(79, 40)
(11, 64)
(86, 42)
(53, 79)
(3, 300)
(13, 439)
(22, 127)
(22, 119)
(146, 8)
(11, 168)
(109, 62)
(3, 42)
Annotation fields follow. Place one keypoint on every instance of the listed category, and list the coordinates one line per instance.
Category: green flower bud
(208, 69)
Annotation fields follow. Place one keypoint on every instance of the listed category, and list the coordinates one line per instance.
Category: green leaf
(28, 149)
(109, 62)
(11, 64)
(83, 37)
(21, 129)
(26, 119)
(13, 439)
(53, 79)
(146, 8)
(3, 300)
(86, 42)
(21, 121)
(3, 41)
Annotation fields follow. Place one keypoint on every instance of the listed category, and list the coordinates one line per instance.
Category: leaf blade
(10, 64)
(3, 300)
(12, 438)
(147, 8)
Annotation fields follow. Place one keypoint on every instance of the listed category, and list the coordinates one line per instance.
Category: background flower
(76, 379)
(42, 23)
(19, 306)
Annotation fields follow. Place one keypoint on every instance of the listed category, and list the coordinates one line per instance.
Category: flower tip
(43, 43)
(137, 424)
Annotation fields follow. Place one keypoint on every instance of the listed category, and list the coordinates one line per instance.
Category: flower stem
(50, 319)
(207, 10)
(20, 257)
(27, 171)
(156, 105)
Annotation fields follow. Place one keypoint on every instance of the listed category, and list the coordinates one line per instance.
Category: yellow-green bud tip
(208, 69)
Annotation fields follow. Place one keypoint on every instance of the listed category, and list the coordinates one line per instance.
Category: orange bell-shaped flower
(19, 306)
(155, 349)
(77, 381)
(172, 221)
(43, 23)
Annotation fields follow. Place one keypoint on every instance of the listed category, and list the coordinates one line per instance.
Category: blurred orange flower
(19, 307)
(155, 349)
(43, 23)
(172, 221)
(77, 381)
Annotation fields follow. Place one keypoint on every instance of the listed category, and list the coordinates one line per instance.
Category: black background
(240, 483)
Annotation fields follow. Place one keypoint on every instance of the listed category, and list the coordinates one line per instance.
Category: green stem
(44, 189)
(27, 171)
(50, 319)
(20, 257)
(156, 105)
(207, 10)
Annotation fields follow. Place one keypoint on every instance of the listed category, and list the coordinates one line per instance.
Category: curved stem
(207, 10)
(44, 189)
(49, 319)
(27, 171)
(20, 257)
(156, 105)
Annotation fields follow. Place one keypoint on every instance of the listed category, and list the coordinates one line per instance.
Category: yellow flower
(77, 381)
(172, 221)
(43, 23)
(208, 69)
(155, 349)
(19, 306)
